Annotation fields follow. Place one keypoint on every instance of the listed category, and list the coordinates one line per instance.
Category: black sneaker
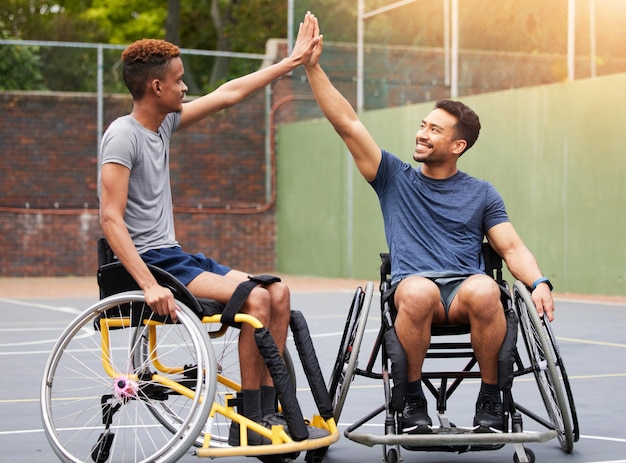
(276, 419)
(254, 438)
(415, 419)
(489, 414)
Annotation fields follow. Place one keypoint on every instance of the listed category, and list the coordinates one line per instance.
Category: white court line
(588, 341)
(30, 329)
(70, 310)
(85, 334)
(33, 431)
(601, 438)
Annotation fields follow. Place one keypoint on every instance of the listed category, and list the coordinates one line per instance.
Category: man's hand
(161, 300)
(542, 297)
(317, 49)
(307, 40)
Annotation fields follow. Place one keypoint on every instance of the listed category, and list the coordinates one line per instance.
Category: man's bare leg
(478, 303)
(418, 302)
(271, 305)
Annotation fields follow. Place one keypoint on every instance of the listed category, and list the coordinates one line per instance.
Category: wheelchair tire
(392, 456)
(97, 398)
(546, 365)
(347, 357)
(530, 456)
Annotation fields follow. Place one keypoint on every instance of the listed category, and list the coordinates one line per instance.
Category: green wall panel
(554, 152)
(311, 201)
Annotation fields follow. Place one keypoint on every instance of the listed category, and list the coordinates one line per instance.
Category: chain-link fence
(418, 50)
(407, 51)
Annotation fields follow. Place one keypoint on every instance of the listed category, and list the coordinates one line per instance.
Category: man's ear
(156, 86)
(459, 147)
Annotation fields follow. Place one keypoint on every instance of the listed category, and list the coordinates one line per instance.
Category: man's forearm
(123, 247)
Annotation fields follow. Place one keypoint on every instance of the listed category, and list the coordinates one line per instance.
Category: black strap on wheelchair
(507, 353)
(241, 294)
(105, 253)
(310, 363)
(282, 382)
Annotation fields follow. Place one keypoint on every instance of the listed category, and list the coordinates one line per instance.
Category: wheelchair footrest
(460, 437)
(325, 434)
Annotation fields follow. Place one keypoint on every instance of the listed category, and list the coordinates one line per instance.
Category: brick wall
(48, 198)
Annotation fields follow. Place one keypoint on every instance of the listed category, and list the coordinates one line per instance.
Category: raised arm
(522, 264)
(236, 90)
(341, 115)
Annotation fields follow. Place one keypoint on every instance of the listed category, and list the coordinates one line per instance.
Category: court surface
(591, 336)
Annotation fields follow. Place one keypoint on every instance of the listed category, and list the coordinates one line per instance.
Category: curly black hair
(145, 60)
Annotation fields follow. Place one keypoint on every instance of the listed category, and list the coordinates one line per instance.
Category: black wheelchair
(123, 384)
(537, 355)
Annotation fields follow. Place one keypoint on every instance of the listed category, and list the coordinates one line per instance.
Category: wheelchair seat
(492, 263)
(113, 278)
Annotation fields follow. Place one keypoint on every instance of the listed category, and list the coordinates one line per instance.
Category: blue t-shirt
(434, 227)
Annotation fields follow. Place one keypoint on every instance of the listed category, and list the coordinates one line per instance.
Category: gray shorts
(448, 287)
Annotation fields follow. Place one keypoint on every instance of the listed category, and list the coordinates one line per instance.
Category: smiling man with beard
(436, 218)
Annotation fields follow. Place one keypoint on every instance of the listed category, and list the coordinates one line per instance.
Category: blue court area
(590, 334)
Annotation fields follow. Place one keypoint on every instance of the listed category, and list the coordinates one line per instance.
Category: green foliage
(254, 22)
(338, 19)
(538, 26)
(124, 21)
(20, 66)
(244, 26)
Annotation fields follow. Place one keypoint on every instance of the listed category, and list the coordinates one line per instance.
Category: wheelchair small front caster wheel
(530, 455)
(392, 456)
(102, 449)
(315, 455)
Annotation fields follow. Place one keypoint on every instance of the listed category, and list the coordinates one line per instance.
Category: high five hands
(308, 46)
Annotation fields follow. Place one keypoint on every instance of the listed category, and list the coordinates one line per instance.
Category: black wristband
(542, 280)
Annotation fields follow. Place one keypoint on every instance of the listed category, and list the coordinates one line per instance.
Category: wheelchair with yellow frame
(123, 384)
(537, 355)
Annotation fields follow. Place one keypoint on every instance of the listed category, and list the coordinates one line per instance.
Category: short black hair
(468, 124)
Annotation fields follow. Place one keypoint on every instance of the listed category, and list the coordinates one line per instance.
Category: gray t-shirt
(149, 213)
(434, 227)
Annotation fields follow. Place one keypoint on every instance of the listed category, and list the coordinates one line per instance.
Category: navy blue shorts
(184, 266)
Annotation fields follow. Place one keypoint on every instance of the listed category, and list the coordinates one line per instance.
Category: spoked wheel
(347, 357)
(546, 364)
(565, 381)
(99, 396)
(225, 342)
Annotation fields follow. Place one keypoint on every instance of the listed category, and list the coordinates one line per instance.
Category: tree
(20, 66)
(223, 25)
